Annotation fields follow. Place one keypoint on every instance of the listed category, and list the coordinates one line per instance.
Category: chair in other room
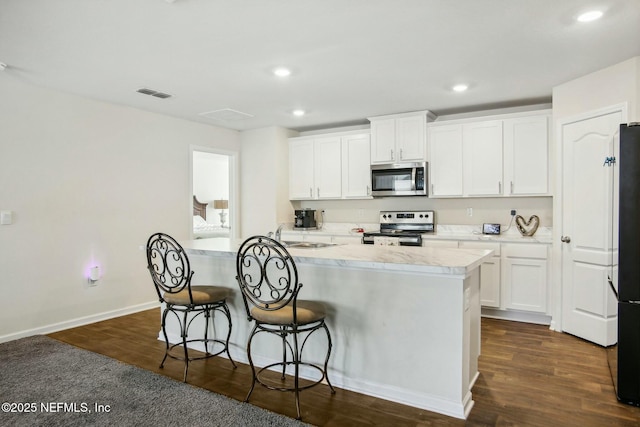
(268, 279)
(172, 275)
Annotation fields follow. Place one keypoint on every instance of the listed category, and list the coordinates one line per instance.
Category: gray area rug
(44, 382)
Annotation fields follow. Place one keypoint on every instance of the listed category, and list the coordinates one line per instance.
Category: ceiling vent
(226, 114)
(155, 93)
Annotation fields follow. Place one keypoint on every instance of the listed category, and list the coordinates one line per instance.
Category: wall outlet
(513, 212)
(469, 211)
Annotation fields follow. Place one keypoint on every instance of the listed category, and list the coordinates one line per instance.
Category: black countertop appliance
(305, 219)
(627, 377)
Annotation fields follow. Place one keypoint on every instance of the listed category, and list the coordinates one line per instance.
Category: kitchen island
(405, 321)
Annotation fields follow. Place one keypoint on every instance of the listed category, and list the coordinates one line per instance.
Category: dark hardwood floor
(529, 376)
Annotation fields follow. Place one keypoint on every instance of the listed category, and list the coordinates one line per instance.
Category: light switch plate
(6, 218)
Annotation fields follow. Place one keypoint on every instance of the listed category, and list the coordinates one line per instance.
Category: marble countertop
(443, 232)
(407, 259)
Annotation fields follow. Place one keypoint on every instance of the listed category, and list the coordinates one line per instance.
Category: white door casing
(589, 224)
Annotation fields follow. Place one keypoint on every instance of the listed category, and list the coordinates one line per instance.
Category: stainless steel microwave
(399, 179)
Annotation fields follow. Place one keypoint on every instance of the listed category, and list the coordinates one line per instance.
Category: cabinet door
(526, 156)
(525, 278)
(356, 170)
(490, 283)
(301, 179)
(482, 158)
(328, 168)
(410, 139)
(383, 141)
(445, 160)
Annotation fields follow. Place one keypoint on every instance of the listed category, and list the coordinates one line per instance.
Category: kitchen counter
(449, 261)
(405, 321)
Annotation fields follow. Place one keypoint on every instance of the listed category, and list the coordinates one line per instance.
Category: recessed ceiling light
(460, 88)
(282, 72)
(590, 16)
(298, 113)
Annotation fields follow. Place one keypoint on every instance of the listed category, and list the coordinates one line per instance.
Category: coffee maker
(305, 219)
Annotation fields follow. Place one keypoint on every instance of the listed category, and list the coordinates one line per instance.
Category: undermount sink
(306, 245)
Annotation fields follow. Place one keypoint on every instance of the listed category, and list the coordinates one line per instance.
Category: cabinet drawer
(525, 251)
(495, 247)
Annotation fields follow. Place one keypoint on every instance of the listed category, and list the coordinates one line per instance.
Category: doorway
(588, 202)
(213, 187)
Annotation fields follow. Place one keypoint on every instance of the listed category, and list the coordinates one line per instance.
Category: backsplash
(448, 211)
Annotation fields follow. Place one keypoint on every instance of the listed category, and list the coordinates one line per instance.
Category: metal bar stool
(171, 273)
(268, 279)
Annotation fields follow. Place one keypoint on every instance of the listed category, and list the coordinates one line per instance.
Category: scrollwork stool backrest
(266, 274)
(168, 264)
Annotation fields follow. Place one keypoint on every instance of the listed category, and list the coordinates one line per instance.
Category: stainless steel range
(407, 227)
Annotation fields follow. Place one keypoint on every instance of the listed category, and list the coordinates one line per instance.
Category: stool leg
(326, 361)
(283, 334)
(207, 320)
(166, 337)
(184, 345)
(226, 344)
(253, 369)
(296, 365)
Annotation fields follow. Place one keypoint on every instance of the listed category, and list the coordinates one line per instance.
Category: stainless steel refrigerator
(627, 356)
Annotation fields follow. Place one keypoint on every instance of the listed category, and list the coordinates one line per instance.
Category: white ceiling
(350, 59)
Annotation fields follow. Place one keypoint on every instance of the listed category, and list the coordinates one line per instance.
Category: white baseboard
(516, 316)
(79, 321)
(381, 391)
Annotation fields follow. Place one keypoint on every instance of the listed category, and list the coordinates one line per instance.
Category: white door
(589, 230)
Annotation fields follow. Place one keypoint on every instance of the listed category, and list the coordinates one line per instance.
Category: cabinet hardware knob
(310, 192)
(499, 187)
(391, 154)
(511, 187)
(401, 154)
(565, 239)
(318, 191)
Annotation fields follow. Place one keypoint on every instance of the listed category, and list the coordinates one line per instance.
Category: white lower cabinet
(489, 273)
(525, 277)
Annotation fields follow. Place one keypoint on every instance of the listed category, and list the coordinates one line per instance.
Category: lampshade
(221, 204)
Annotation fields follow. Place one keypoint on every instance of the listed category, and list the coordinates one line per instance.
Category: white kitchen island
(405, 321)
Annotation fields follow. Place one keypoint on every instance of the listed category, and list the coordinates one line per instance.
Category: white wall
(610, 86)
(88, 182)
(264, 186)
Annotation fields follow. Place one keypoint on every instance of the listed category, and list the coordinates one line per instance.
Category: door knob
(565, 239)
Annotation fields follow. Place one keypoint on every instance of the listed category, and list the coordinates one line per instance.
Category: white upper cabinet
(329, 166)
(526, 156)
(445, 161)
(383, 141)
(356, 171)
(482, 158)
(301, 165)
(486, 158)
(399, 138)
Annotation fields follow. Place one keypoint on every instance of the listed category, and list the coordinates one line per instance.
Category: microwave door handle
(413, 179)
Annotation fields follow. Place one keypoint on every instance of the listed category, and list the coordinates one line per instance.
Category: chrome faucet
(279, 232)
